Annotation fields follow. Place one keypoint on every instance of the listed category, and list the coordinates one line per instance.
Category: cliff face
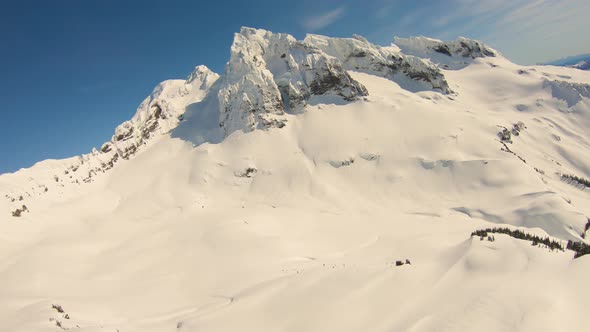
(455, 54)
(410, 72)
(160, 112)
(269, 74)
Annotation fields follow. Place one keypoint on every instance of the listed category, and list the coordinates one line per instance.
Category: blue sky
(71, 70)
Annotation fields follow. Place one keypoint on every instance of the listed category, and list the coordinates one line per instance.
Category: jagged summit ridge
(358, 54)
(455, 54)
(203, 76)
(157, 115)
(160, 111)
(269, 74)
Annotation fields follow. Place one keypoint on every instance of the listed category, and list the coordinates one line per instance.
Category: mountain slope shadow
(201, 122)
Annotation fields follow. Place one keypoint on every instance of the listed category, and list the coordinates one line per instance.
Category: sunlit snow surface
(299, 228)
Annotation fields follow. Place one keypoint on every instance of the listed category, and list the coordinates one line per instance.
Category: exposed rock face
(271, 74)
(18, 212)
(454, 54)
(412, 73)
(156, 115)
(159, 112)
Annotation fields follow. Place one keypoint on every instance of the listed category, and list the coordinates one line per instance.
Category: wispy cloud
(384, 8)
(539, 30)
(526, 31)
(321, 21)
(524, 28)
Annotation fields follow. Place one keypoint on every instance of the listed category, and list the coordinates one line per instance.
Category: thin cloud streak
(518, 26)
(321, 21)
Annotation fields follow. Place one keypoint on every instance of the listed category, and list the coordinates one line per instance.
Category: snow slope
(162, 111)
(228, 221)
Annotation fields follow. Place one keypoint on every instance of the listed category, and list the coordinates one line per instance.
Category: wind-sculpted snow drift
(323, 184)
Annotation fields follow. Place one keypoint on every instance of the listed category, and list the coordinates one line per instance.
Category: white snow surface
(218, 222)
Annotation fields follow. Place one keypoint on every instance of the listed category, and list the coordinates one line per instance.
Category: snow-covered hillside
(156, 116)
(316, 185)
(582, 65)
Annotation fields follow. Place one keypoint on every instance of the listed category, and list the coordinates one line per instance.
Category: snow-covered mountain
(582, 65)
(581, 62)
(316, 184)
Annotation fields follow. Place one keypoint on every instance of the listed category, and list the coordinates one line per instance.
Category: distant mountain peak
(582, 65)
(455, 54)
(201, 72)
(581, 61)
(270, 74)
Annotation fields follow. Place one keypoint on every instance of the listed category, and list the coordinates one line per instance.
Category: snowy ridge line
(271, 74)
(582, 65)
(268, 77)
(159, 113)
(455, 54)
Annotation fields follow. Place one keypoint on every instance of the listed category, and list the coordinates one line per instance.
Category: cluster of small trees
(517, 128)
(18, 212)
(400, 263)
(505, 135)
(518, 234)
(58, 308)
(580, 248)
(577, 179)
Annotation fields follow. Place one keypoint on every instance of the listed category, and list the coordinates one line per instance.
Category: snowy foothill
(316, 185)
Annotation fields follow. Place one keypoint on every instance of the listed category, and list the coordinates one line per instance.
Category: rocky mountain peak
(358, 54)
(202, 74)
(270, 74)
(455, 54)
